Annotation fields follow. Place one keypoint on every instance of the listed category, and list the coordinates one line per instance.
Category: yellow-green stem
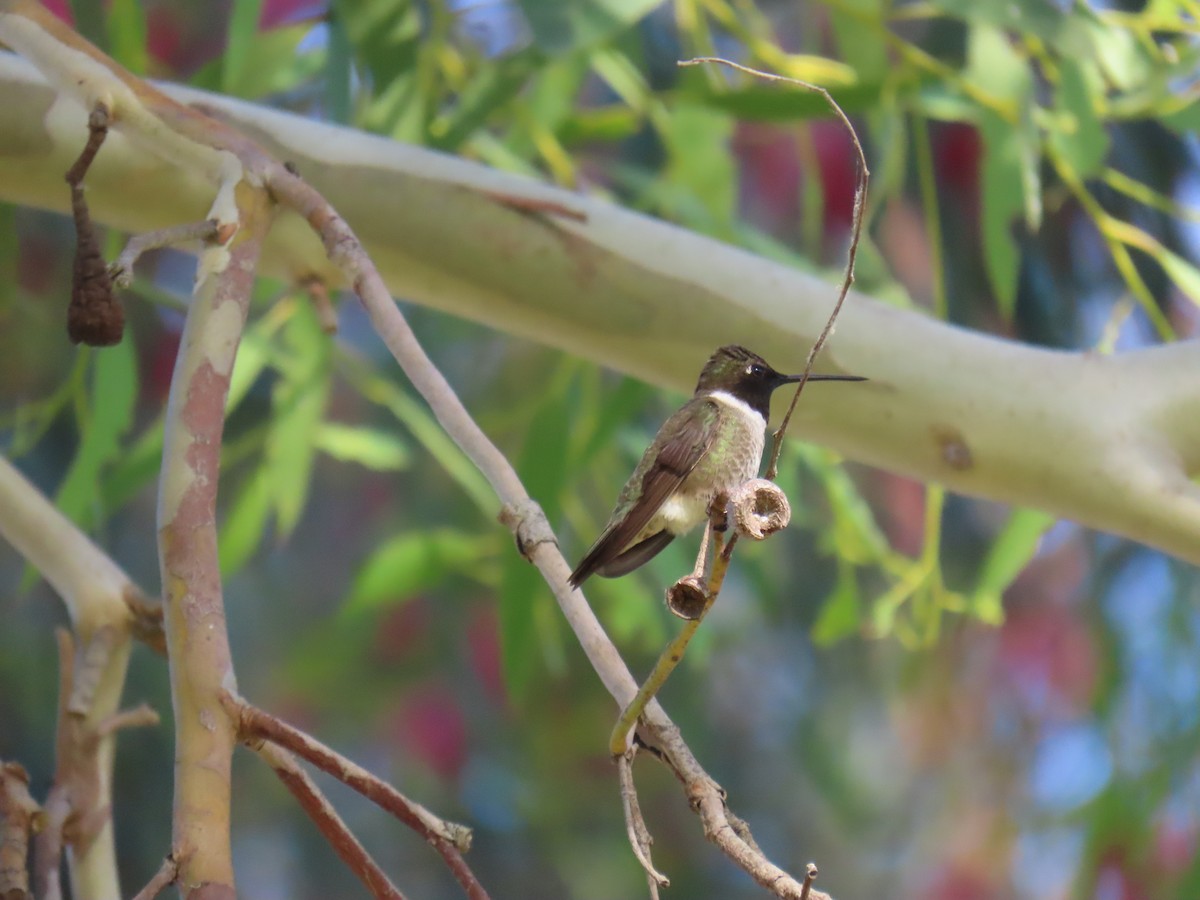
(673, 653)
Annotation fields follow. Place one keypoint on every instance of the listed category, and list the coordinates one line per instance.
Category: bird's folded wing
(690, 435)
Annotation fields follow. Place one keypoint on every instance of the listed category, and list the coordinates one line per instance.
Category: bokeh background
(928, 695)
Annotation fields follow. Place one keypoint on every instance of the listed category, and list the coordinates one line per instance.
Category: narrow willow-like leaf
(1009, 554)
(103, 423)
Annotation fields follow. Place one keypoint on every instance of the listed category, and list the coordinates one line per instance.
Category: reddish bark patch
(952, 447)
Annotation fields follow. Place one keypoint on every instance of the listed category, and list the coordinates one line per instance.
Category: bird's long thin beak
(792, 379)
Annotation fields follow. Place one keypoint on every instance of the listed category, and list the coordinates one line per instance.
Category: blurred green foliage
(1045, 153)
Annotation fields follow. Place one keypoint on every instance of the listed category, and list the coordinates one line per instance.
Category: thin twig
(328, 822)
(97, 132)
(860, 202)
(448, 838)
(141, 716)
(527, 522)
(48, 845)
(121, 271)
(809, 877)
(164, 877)
(203, 143)
(635, 824)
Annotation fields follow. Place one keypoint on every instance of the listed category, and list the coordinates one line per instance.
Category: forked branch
(449, 839)
(238, 167)
(328, 822)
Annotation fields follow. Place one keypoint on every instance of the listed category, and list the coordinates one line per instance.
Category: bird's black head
(747, 376)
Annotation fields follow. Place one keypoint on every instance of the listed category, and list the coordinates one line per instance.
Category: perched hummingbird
(712, 445)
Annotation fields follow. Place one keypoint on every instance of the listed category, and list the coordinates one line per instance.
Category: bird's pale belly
(718, 472)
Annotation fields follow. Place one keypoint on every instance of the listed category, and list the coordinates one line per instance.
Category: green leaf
(371, 447)
(855, 536)
(571, 24)
(89, 21)
(889, 132)
(1080, 137)
(127, 35)
(1185, 121)
(1009, 554)
(245, 525)
(425, 429)
(1185, 275)
(241, 43)
(1002, 187)
(134, 468)
(543, 460)
(386, 35)
(700, 164)
(139, 464)
(254, 352)
(1038, 17)
(297, 408)
(554, 96)
(494, 87)
(627, 605)
(104, 422)
(624, 76)
(413, 562)
(521, 591)
(543, 468)
(339, 70)
(606, 124)
(9, 254)
(840, 616)
(995, 66)
(864, 48)
(1012, 155)
(609, 414)
(279, 65)
(1120, 54)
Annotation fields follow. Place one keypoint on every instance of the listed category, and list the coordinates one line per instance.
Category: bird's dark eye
(756, 370)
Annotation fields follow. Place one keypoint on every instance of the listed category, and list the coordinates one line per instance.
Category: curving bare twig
(527, 522)
(190, 139)
(810, 875)
(330, 824)
(635, 824)
(860, 202)
(164, 877)
(448, 838)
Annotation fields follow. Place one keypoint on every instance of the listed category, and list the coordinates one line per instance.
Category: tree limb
(194, 613)
(1109, 441)
(520, 512)
(328, 822)
(96, 593)
(257, 725)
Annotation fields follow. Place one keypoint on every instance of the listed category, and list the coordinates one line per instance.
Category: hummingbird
(710, 446)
